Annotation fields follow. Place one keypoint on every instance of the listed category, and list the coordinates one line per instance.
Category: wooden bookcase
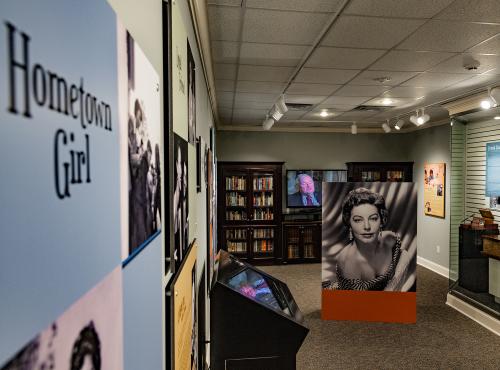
(379, 171)
(301, 241)
(249, 210)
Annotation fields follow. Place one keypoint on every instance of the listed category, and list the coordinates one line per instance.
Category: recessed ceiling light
(486, 104)
(496, 117)
(387, 101)
(324, 113)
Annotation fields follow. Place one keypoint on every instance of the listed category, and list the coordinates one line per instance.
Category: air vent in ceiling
(298, 106)
(371, 108)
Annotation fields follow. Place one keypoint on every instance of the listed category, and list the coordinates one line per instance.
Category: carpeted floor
(442, 338)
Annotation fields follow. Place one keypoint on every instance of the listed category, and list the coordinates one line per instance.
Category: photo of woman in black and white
(369, 236)
(180, 199)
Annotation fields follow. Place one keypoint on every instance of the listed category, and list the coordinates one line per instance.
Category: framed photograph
(434, 189)
(200, 163)
(191, 82)
(180, 200)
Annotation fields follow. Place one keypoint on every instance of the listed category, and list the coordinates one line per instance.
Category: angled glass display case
(256, 322)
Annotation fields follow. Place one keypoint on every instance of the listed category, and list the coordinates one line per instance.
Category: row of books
(236, 183)
(235, 199)
(262, 200)
(293, 251)
(236, 247)
(263, 233)
(236, 234)
(263, 214)
(263, 246)
(236, 215)
(263, 183)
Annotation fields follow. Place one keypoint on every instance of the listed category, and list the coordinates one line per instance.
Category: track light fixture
(399, 124)
(354, 128)
(420, 117)
(268, 123)
(281, 105)
(386, 127)
(489, 101)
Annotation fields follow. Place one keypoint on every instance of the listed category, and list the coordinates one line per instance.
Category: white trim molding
(433, 266)
(473, 313)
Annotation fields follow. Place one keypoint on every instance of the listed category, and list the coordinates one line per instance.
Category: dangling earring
(351, 238)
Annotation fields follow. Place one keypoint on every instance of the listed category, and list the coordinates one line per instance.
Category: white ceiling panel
(475, 82)
(320, 6)
(456, 64)
(343, 58)
(325, 75)
(449, 36)
(246, 122)
(397, 8)
(315, 116)
(438, 80)
(272, 54)
(357, 115)
(264, 73)
(344, 100)
(272, 26)
(250, 114)
(256, 97)
(225, 96)
(224, 85)
(225, 2)
(351, 90)
(398, 60)
(473, 11)
(225, 51)
(335, 107)
(258, 87)
(225, 112)
(491, 46)
(407, 92)
(369, 32)
(368, 78)
(224, 104)
(396, 102)
(225, 71)
(293, 114)
(304, 99)
(224, 22)
(311, 89)
(243, 104)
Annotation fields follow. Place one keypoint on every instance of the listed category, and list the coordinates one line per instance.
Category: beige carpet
(441, 339)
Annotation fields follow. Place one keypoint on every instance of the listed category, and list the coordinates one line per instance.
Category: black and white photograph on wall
(144, 135)
(180, 200)
(89, 335)
(191, 80)
(369, 236)
(199, 163)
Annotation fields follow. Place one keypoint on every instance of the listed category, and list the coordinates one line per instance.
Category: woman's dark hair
(87, 344)
(360, 196)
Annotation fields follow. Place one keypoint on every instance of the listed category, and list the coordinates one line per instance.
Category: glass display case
(261, 325)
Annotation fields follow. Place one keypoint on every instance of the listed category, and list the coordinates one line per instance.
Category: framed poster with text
(434, 189)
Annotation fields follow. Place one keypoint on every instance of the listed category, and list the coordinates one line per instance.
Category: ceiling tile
(256, 97)
(343, 100)
(397, 8)
(456, 64)
(224, 85)
(437, 80)
(358, 115)
(343, 58)
(225, 104)
(303, 99)
(322, 6)
(325, 75)
(335, 107)
(449, 36)
(369, 32)
(225, 71)
(259, 87)
(272, 26)
(315, 115)
(311, 89)
(293, 114)
(475, 82)
(225, 2)
(272, 54)
(396, 102)
(407, 92)
(351, 90)
(367, 78)
(472, 11)
(225, 96)
(225, 112)
(244, 104)
(398, 60)
(225, 51)
(265, 73)
(250, 113)
(491, 46)
(224, 22)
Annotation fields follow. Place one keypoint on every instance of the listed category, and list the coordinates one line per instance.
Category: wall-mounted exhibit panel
(475, 210)
(369, 252)
(256, 323)
(435, 189)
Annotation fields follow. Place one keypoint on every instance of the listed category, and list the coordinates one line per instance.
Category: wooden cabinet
(249, 210)
(379, 171)
(302, 241)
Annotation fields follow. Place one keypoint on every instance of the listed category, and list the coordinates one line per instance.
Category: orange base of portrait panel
(369, 306)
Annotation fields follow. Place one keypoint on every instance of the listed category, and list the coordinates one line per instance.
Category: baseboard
(473, 313)
(433, 266)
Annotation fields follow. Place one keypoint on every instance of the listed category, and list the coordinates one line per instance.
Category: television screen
(253, 285)
(303, 188)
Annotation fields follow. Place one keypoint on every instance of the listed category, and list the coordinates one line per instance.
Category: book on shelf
(235, 183)
(263, 183)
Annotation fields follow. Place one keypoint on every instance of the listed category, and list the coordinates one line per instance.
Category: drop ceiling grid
(434, 66)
